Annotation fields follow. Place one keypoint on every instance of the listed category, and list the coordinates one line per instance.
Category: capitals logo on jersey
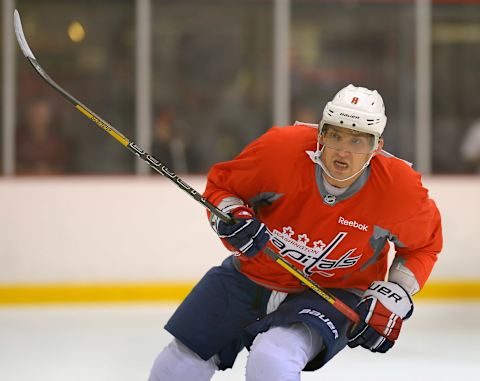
(314, 258)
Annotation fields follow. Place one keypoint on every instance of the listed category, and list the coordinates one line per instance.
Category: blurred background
(211, 75)
(85, 225)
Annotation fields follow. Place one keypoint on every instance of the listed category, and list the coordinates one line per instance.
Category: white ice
(119, 342)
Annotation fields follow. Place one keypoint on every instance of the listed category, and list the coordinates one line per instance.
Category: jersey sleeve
(234, 182)
(243, 176)
(419, 241)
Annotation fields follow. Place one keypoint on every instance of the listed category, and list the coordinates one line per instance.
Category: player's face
(345, 152)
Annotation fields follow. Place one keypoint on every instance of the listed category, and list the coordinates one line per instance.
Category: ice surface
(119, 342)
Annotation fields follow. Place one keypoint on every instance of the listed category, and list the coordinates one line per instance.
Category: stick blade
(27, 52)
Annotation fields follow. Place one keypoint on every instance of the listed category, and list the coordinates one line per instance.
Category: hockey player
(329, 200)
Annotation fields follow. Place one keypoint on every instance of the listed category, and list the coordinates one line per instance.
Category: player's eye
(334, 136)
(357, 141)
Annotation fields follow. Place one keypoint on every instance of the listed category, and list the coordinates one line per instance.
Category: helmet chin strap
(318, 159)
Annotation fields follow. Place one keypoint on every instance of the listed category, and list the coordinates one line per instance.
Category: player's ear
(320, 137)
(379, 146)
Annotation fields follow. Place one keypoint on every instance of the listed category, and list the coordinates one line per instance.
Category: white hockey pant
(278, 354)
(281, 353)
(178, 363)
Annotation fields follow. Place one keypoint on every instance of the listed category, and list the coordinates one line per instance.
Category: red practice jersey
(339, 242)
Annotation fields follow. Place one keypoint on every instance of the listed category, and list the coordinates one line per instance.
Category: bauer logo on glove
(382, 310)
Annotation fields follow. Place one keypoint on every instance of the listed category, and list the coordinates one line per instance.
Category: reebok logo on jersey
(353, 224)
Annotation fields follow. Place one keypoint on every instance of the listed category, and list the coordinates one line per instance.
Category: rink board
(143, 239)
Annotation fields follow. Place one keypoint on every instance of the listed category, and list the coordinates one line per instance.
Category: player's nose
(343, 152)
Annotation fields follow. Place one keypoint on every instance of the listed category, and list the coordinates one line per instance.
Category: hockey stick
(164, 171)
(329, 297)
(130, 145)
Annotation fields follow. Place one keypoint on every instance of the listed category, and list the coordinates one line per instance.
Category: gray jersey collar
(331, 199)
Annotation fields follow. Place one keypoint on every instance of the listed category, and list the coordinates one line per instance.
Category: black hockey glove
(248, 235)
(382, 310)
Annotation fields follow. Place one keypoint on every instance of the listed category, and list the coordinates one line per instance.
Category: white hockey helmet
(357, 108)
